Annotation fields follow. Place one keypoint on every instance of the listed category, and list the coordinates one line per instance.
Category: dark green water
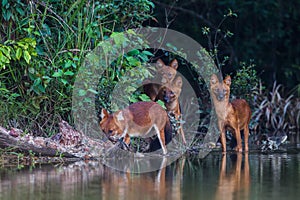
(234, 176)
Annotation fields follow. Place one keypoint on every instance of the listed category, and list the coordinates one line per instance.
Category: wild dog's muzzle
(112, 136)
(168, 97)
(220, 94)
(113, 139)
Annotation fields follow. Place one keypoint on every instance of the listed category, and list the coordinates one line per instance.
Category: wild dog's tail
(155, 144)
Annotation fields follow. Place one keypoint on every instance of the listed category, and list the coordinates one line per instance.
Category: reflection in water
(162, 184)
(236, 183)
(48, 182)
(273, 176)
(92, 180)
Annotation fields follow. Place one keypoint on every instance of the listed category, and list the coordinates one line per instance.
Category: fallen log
(68, 143)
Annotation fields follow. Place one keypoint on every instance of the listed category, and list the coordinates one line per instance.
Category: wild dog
(169, 94)
(137, 120)
(234, 116)
(165, 74)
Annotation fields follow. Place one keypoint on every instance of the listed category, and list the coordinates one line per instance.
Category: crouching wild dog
(137, 120)
(169, 94)
(234, 115)
(166, 74)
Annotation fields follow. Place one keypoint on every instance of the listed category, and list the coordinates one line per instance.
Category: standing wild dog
(169, 94)
(166, 74)
(137, 120)
(234, 115)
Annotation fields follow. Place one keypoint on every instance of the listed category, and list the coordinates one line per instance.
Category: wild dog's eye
(110, 131)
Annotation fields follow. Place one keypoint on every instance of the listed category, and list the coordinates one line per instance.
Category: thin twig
(51, 11)
(199, 16)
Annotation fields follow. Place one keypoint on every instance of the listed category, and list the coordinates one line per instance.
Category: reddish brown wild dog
(169, 94)
(136, 120)
(166, 74)
(234, 116)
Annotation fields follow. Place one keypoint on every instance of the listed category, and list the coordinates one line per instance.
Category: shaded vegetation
(36, 84)
(263, 31)
(276, 114)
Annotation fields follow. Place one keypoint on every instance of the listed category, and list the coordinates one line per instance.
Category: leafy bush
(43, 45)
(245, 82)
(128, 69)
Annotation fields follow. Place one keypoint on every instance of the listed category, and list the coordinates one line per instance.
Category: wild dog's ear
(104, 114)
(214, 79)
(174, 64)
(119, 116)
(227, 80)
(159, 63)
(178, 81)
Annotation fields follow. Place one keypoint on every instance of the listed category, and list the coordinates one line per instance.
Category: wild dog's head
(110, 125)
(220, 89)
(168, 72)
(170, 92)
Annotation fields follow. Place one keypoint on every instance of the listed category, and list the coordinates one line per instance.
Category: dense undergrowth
(42, 46)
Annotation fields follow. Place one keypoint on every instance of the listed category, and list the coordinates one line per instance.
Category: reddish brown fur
(151, 89)
(166, 75)
(234, 116)
(169, 94)
(137, 120)
(141, 116)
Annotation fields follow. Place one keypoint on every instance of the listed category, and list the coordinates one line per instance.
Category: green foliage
(216, 37)
(15, 53)
(42, 46)
(21, 50)
(125, 75)
(245, 82)
(11, 9)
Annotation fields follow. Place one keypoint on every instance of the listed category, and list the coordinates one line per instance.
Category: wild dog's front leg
(237, 135)
(246, 136)
(126, 139)
(222, 136)
(161, 137)
(124, 142)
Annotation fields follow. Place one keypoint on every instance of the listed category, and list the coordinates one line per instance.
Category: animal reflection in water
(166, 184)
(236, 183)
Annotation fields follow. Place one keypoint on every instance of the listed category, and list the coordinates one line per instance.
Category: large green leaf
(19, 53)
(27, 56)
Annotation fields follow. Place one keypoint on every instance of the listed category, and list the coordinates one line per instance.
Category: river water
(231, 176)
